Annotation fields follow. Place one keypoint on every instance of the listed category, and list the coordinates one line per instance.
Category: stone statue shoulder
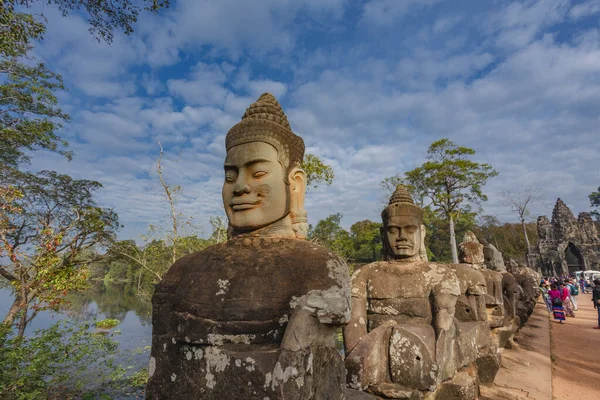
(388, 279)
(249, 286)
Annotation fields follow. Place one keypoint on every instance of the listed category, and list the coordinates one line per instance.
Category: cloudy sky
(369, 85)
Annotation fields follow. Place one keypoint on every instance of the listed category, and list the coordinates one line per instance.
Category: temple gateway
(566, 244)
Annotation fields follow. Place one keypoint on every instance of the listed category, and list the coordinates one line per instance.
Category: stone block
(461, 387)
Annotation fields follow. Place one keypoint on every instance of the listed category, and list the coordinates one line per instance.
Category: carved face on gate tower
(403, 231)
(264, 185)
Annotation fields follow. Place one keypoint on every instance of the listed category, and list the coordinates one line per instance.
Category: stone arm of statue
(309, 338)
(443, 301)
(357, 326)
(444, 306)
(304, 329)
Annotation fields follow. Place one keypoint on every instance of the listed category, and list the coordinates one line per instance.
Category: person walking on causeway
(573, 292)
(557, 304)
(566, 298)
(596, 299)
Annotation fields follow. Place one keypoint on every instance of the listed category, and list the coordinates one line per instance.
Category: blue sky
(367, 84)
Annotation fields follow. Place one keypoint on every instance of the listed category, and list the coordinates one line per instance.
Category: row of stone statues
(258, 317)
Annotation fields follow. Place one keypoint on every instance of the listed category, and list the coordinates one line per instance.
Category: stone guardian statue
(400, 339)
(256, 317)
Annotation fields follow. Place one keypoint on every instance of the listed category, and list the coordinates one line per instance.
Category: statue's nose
(241, 188)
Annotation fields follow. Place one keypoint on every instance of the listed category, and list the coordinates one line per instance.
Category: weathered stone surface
(493, 258)
(579, 235)
(352, 394)
(471, 301)
(400, 339)
(395, 392)
(202, 307)
(461, 387)
(412, 357)
(494, 301)
(470, 251)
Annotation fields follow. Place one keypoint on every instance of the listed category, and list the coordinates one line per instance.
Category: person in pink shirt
(566, 299)
(557, 304)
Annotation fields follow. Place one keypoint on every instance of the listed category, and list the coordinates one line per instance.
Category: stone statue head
(264, 184)
(403, 231)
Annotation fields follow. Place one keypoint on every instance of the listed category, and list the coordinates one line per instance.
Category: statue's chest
(387, 283)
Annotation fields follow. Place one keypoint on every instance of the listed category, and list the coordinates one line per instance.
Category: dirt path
(526, 370)
(576, 354)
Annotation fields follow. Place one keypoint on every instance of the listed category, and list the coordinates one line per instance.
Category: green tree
(595, 202)
(507, 237)
(39, 367)
(329, 233)
(448, 179)
(366, 240)
(316, 171)
(438, 235)
(104, 16)
(47, 230)
(29, 115)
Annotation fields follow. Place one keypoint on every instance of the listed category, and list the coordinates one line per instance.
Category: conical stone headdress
(265, 121)
(402, 204)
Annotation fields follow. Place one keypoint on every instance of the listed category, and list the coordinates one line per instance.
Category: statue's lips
(246, 205)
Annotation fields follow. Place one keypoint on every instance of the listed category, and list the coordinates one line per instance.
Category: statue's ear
(297, 178)
(423, 231)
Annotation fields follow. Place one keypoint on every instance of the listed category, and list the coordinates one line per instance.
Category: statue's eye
(259, 174)
(230, 176)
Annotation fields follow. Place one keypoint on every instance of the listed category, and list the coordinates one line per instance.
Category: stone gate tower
(566, 244)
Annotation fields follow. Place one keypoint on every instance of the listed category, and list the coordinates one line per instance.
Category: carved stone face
(254, 192)
(403, 234)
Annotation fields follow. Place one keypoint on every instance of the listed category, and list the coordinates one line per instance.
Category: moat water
(134, 333)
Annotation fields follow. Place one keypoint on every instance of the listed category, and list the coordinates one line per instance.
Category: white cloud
(505, 81)
(520, 22)
(585, 9)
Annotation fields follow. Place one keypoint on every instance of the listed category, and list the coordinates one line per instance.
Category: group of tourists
(560, 296)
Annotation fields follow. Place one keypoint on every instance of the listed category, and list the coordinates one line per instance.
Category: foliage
(104, 16)
(316, 171)
(366, 240)
(507, 237)
(438, 236)
(29, 115)
(140, 378)
(595, 202)
(108, 323)
(329, 233)
(450, 181)
(219, 227)
(42, 365)
(47, 235)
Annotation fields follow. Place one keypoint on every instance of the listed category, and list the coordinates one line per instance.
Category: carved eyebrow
(248, 163)
(256, 161)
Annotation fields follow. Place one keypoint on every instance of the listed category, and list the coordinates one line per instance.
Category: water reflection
(97, 303)
(110, 301)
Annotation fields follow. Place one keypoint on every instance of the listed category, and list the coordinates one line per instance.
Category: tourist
(596, 299)
(582, 285)
(566, 299)
(544, 291)
(557, 305)
(573, 292)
